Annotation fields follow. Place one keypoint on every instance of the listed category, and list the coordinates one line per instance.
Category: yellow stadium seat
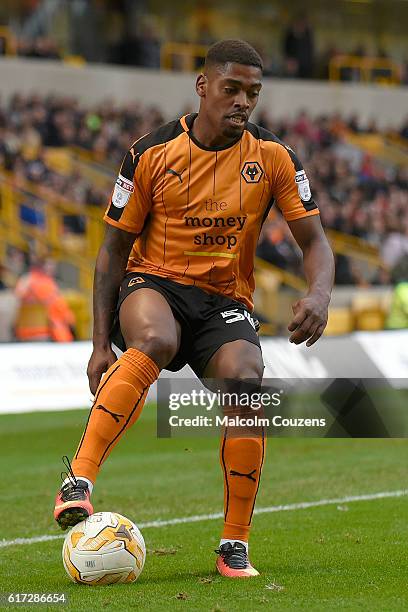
(59, 159)
(267, 329)
(32, 322)
(365, 301)
(80, 307)
(369, 312)
(74, 242)
(340, 322)
(74, 60)
(370, 319)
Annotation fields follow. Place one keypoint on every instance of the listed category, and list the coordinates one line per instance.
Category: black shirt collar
(189, 120)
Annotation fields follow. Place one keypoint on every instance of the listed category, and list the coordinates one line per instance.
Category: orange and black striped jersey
(198, 211)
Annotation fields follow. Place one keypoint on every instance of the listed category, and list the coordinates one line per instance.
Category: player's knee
(162, 348)
(239, 360)
(243, 379)
(242, 371)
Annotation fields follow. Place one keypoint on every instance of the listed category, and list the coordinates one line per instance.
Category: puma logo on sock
(114, 415)
(249, 475)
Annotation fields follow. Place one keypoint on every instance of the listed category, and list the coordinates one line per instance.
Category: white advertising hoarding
(51, 376)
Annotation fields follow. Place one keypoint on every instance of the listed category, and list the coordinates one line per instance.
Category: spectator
(395, 246)
(398, 315)
(277, 246)
(343, 271)
(39, 48)
(44, 313)
(149, 48)
(298, 49)
(404, 129)
(2, 273)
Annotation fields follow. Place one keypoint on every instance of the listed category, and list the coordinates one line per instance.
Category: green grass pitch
(352, 556)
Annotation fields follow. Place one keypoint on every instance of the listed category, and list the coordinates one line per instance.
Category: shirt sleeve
(131, 198)
(291, 188)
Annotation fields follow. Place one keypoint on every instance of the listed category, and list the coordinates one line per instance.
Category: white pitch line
(217, 515)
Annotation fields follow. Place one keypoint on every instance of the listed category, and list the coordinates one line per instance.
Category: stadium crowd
(130, 33)
(356, 194)
(29, 126)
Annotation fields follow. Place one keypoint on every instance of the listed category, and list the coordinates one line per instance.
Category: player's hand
(100, 361)
(310, 319)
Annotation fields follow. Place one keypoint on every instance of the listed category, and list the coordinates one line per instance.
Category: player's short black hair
(233, 50)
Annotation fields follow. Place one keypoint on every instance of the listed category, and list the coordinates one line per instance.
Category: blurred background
(82, 79)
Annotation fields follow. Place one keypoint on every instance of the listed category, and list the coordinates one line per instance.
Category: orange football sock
(241, 461)
(118, 403)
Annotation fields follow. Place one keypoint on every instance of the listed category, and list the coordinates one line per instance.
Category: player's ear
(201, 85)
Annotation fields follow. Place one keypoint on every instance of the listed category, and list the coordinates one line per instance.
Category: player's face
(231, 94)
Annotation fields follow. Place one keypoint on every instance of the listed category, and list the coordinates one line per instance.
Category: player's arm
(310, 312)
(109, 272)
(125, 215)
(293, 196)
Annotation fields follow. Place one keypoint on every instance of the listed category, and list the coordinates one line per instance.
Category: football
(106, 548)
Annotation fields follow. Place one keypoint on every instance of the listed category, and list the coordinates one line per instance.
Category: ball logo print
(106, 548)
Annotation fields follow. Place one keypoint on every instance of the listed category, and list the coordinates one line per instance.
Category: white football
(104, 549)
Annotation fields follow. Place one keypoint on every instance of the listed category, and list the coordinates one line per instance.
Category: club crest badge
(251, 172)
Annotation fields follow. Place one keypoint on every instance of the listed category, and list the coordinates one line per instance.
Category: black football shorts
(207, 320)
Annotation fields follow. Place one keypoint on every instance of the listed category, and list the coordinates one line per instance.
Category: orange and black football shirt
(198, 211)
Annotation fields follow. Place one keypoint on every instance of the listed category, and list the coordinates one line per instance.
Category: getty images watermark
(356, 408)
(245, 406)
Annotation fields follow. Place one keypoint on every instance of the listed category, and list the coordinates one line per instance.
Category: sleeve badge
(122, 192)
(303, 186)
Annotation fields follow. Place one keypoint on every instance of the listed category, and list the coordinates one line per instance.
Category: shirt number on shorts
(232, 316)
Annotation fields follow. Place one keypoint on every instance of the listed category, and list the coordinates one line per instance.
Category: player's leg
(152, 339)
(242, 452)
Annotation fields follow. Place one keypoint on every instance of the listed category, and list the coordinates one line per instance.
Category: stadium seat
(58, 159)
(267, 329)
(32, 322)
(80, 307)
(340, 322)
(267, 286)
(369, 312)
(8, 309)
(370, 320)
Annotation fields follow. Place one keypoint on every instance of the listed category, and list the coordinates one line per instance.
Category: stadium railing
(359, 310)
(386, 148)
(97, 169)
(8, 41)
(356, 248)
(74, 254)
(50, 227)
(368, 69)
(182, 56)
